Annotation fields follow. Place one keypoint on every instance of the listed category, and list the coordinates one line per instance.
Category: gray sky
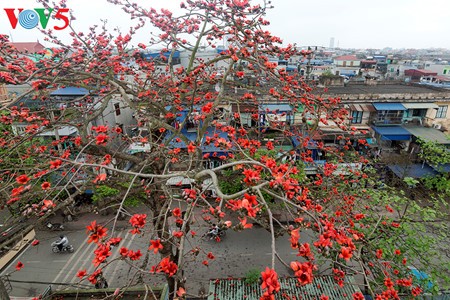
(352, 23)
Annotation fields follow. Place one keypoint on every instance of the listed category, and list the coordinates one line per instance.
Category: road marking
(114, 273)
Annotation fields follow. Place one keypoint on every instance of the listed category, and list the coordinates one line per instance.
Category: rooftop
(398, 92)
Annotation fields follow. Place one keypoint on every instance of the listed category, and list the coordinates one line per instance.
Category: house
(394, 111)
(347, 61)
(416, 74)
(28, 47)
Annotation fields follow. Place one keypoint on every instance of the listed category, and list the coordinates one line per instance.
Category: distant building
(28, 47)
(332, 43)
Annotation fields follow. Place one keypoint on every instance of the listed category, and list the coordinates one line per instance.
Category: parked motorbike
(55, 248)
(55, 226)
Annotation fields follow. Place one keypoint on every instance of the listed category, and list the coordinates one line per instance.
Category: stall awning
(429, 134)
(413, 170)
(362, 107)
(389, 106)
(392, 133)
(420, 105)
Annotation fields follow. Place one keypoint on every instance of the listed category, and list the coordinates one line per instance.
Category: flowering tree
(182, 112)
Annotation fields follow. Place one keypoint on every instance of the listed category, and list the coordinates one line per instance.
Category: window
(445, 71)
(442, 112)
(117, 108)
(357, 117)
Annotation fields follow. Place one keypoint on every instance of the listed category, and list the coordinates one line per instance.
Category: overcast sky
(352, 23)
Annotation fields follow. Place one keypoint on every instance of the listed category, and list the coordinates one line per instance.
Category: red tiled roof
(416, 72)
(346, 57)
(30, 47)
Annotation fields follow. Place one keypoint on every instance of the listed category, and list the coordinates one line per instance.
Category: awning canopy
(362, 107)
(420, 105)
(429, 134)
(413, 170)
(392, 133)
(389, 106)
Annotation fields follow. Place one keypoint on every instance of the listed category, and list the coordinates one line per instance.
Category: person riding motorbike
(63, 242)
(214, 231)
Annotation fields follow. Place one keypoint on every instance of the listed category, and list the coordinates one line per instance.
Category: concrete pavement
(235, 255)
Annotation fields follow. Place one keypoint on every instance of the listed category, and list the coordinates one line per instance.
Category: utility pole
(3, 292)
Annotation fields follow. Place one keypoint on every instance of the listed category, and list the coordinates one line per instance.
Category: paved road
(235, 255)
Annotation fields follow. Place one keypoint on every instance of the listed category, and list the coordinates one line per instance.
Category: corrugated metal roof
(413, 170)
(275, 107)
(70, 91)
(391, 130)
(429, 134)
(389, 106)
(362, 107)
(179, 180)
(420, 105)
(237, 289)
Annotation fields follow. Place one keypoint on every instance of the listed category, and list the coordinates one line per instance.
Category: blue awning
(392, 133)
(70, 91)
(413, 170)
(388, 106)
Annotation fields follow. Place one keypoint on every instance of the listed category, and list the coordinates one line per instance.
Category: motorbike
(55, 226)
(55, 248)
(210, 235)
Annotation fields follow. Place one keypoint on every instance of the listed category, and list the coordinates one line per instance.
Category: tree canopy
(207, 121)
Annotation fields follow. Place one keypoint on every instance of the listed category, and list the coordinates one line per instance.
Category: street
(235, 255)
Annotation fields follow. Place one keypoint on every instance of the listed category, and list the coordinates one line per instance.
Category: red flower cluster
(97, 232)
(270, 284)
(102, 252)
(138, 221)
(167, 266)
(303, 271)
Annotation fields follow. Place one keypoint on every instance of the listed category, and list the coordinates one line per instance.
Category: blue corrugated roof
(413, 170)
(70, 91)
(388, 106)
(391, 130)
(392, 133)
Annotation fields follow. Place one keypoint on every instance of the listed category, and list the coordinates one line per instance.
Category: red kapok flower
(270, 282)
(46, 185)
(191, 148)
(22, 179)
(97, 232)
(138, 221)
(19, 266)
(123, 251)
(155, 245)
(167, 266)
(176, 212)
(81, 273)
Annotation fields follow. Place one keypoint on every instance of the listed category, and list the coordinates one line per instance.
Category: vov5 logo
(30, 18)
